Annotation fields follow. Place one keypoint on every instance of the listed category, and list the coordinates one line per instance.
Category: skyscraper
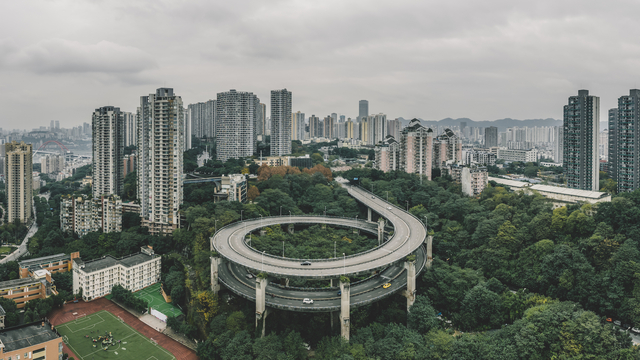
(627, 148)
(363, 109)
(203, 119)
(613, 144)
(236, 114)
(18, 179)
(160, 159)
(130, 128)
(393, 128)
(280, 122)
(297, 126)
(328, 127)
(315, 130)
(580, 149)
(558, 146)
(261, 120)
(108, 126)
(416, 153)
(379, 127)
(490, 137)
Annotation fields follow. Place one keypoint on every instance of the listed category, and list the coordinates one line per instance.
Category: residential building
(379, 127)
(108, 213)
(18, 180)
(474, 179)
(129, 163)
(365, 130)
(107, 126)
(447, 147)
(478, 157)
(349, 126)
(328, 127)
(160, 159)
(627, 148)
(297, 126)
(203, 119)
(315, 130)
(387, 155)
(393, 128)
(580, 148)
(262, 127)
(416, 149)
(52, 263)
(490, 136)
(130, 128)
(37, 340)
(132, 272)
(81, 215)
(558, 145)
(280, 122)
(237, 112)
(21, 291)
(235, 186)
(51, 163)
(301, 162)
(613, 144)
(518, 155)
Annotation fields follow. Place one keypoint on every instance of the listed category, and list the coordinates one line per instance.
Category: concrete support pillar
(261, 294)
(216, 262)
(264, 321)
(429, 249)
(345, 325)
(286, 282)
(291, 229)
(381, 224)
(410, 293)
(369, 214)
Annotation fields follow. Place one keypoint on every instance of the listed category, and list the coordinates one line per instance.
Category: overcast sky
(485, 60)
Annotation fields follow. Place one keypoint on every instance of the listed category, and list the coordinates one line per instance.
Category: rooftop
(109, 261)
(18, 282)
(512, 183)
(23, 336)
(567, 191)
(43, 260)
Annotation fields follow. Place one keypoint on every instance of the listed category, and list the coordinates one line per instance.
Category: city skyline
(107, 53)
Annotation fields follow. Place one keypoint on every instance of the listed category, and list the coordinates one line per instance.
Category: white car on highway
(307, 301)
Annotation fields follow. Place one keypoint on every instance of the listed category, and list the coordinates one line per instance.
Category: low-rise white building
(518, 155)
(133, 272)
(235, 186)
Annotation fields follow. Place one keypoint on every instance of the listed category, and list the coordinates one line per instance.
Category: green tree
(422, 316)
(481, 309)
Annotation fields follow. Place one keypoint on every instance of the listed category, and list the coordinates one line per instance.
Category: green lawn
(133, 345)
(6, 249)
(155, 300)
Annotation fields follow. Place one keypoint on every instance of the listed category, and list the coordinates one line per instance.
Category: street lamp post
(407, 205)
(334, 249)
(262, 262)
(387, 196)
(241, 211)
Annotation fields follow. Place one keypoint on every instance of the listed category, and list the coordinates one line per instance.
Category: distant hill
(501, 124)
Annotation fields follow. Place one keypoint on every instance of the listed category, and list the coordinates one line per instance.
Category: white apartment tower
(160, 159)
(297, 126)
(18, 179)
(280, 122)
(107, 126)
(237, 113)
(130, 128)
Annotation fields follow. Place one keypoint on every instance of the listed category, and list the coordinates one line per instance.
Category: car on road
(617, 322)
(249, 276)
(388, 207)
(307, 301)
(373, 197)
(635, 330)
(305, 263)
(386, 286)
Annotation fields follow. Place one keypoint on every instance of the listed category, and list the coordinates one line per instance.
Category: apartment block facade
(237, 113)
(388, 154)
(160, 159)
(281, 124)
(18, 179)
(297, 126)
(581, 127)
(108, 127)
(626, 150)
(82, 215)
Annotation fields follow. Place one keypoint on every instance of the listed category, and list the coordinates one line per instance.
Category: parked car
(635, 330)
(617, 322)
(307, 301)
(609, 320)
(305, 263)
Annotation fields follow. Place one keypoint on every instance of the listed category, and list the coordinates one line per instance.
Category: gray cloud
(431, 59)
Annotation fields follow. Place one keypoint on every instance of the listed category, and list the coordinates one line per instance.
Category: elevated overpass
(389, 260)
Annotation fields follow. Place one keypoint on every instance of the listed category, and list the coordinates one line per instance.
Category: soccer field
(133, 345)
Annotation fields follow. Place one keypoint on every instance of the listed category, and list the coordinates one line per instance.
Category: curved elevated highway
(409, 234)
(388, 261)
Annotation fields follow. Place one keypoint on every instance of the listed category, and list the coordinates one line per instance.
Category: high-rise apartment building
(363, 109)
(446, 147)
(108, 127)
(558, 146)
(349, 127)
(18, 179)
(262, 126)
(203, 119)
(315, 131)
(580, 149)
(416, 144)
(51, 163)
(387, 154)
(130, 128)
(365, 131)
(628, 147)
(237, 113)
(613, 144)
(490, 137)
(160, 159)
(393, 128)
(328, 127)
(280, 122)
(378, 127)
(297, 126)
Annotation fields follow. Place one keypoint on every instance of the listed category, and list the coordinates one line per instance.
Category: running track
(64, 314)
